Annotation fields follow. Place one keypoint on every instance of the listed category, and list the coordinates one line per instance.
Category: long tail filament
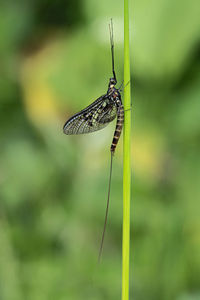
(107, 207)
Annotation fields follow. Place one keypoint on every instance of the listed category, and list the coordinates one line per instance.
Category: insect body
(98, 115)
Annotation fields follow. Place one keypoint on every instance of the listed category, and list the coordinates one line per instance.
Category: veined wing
(94, 117)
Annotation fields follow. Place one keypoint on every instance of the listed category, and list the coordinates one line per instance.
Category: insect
(97, 116)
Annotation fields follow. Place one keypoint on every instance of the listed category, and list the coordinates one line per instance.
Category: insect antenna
(107, 207)
(112, 48)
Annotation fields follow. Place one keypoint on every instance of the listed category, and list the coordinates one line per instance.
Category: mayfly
(98, 115)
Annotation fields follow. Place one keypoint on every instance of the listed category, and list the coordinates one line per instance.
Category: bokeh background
(54, 61)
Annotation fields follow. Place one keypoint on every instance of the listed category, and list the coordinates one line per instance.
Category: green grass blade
(126, 160)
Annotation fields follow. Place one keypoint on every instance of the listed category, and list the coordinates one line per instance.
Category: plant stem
(126, 160)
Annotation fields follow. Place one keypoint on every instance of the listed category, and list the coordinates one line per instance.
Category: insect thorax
(114, 95)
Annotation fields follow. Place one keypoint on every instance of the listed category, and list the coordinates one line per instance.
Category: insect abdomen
(118, 128)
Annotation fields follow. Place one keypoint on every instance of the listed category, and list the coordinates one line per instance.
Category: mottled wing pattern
(94, 117)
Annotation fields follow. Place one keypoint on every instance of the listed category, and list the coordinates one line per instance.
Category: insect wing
(94, 117)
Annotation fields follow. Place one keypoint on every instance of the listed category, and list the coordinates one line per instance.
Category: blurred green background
(54, 61)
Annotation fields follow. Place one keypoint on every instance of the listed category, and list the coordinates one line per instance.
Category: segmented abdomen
(118, 128)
